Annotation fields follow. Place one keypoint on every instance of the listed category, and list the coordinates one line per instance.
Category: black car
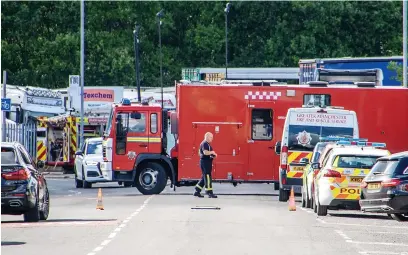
(385, 188)
(23, 188)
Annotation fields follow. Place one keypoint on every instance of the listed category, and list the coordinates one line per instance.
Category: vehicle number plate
(356, 179)
(372, 186)
(297, 168)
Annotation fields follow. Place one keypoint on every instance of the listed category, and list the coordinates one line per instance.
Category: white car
(87, 165)
(337, 184)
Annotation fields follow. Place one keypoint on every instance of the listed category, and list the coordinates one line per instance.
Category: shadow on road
(5, 243)
(59, 220)
(360, 216)
(191, 194)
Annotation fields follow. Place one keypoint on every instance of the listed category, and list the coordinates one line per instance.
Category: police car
(309, 174)
(340, 173)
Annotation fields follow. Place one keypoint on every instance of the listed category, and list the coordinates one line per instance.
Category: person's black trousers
(206, 178)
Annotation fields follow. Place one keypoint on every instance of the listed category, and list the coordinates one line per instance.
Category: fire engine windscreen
(109, 124)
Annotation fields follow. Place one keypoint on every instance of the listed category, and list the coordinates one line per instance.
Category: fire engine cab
(247, 122)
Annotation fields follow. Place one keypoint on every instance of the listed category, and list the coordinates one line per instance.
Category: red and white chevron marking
(258, 95)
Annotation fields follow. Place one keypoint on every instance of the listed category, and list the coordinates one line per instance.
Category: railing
(26, 134)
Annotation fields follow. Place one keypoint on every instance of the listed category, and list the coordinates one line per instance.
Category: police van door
(260, 142)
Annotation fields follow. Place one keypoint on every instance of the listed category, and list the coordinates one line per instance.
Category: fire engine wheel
(151, 179)
(283, 195)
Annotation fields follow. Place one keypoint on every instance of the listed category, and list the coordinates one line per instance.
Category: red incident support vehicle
(247, 121)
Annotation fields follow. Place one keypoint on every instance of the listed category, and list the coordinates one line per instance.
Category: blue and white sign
(6, 104)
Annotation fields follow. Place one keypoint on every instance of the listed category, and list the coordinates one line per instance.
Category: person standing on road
(206, 158)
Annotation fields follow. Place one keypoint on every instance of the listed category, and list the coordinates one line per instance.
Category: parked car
(385, 188)
(337, 183)
(87, 165)
(23, 188)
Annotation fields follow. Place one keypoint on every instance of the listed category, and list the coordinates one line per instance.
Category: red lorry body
(382, 113)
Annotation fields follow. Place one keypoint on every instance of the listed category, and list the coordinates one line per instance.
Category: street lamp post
(404, 44)
(137, 59)
(81, 139)
(160, 15)
(226, 10)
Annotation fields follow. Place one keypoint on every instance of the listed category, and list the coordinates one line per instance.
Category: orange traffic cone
(292, 204)
(99, 205)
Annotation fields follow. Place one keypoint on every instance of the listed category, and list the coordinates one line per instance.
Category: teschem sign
(96, 99)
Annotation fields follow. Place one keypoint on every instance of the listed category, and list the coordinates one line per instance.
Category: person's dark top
(205, 146)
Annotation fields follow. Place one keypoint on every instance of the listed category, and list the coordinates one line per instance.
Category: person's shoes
(211, 195)
(198, 194)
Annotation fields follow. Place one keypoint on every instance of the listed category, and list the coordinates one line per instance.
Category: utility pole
(226, 10)
(137, 59)
(81, 139)
(160, 15)
(4, 112)
(404, 43)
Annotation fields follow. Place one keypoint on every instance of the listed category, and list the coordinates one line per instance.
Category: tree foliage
(41, 40)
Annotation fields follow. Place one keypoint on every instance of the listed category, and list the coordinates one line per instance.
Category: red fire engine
(247, 122)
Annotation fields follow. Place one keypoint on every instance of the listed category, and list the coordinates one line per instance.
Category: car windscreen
(8, 156)
(351, 161)
(94, 148)
(305, 138)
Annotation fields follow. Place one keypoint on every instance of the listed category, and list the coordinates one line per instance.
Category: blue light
(338, 138)
(125, 101)
(363, 143)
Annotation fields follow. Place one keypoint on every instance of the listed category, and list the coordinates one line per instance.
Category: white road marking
(114, 232)
(383, 252)
(377, 243)
(321, 221)
(362, 225)
(345, 237)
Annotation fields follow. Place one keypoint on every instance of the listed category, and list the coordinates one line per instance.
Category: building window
(317, 100)
(153, 123)
(262, 128)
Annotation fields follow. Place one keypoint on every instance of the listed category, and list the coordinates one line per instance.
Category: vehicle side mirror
(79, 153)
(40, 164)
(136, 115)
(316, 166)
(278, 148)
(304, 161)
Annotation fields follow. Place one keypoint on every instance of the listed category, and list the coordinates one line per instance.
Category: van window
(262, 124)
(317, 99)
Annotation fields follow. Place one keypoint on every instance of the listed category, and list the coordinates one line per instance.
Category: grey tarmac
(250, 220)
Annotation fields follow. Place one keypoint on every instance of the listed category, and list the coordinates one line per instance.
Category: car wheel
(33, 214)
(283, 195)
(276, 186)
(321, 209)
(78, 183)
(45, 206)
(308, 203)
(86, 185)
(127, 184)
(303, 200)
(151, 178)
(399, 216)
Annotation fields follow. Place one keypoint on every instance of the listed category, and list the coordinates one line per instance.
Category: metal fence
(26, 134)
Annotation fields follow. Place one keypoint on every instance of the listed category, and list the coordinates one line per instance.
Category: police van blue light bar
(361, 143)
(125, 101)
(337, 138)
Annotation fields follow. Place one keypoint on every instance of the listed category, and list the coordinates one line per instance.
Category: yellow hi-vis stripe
(208, 183)
(144, 139)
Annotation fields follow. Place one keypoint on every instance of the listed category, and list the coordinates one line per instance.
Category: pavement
(247, 219)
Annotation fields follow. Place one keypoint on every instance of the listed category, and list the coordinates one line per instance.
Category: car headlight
(91, 163)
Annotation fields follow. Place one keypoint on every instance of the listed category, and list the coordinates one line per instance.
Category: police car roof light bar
(337, 138)
(125, 101)
(361, 143)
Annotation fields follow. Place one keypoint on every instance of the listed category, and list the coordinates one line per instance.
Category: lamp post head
(160, 14)
(227, 8)
(137, 29)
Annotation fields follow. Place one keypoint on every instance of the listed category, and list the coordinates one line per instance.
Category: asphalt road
(178, 223)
